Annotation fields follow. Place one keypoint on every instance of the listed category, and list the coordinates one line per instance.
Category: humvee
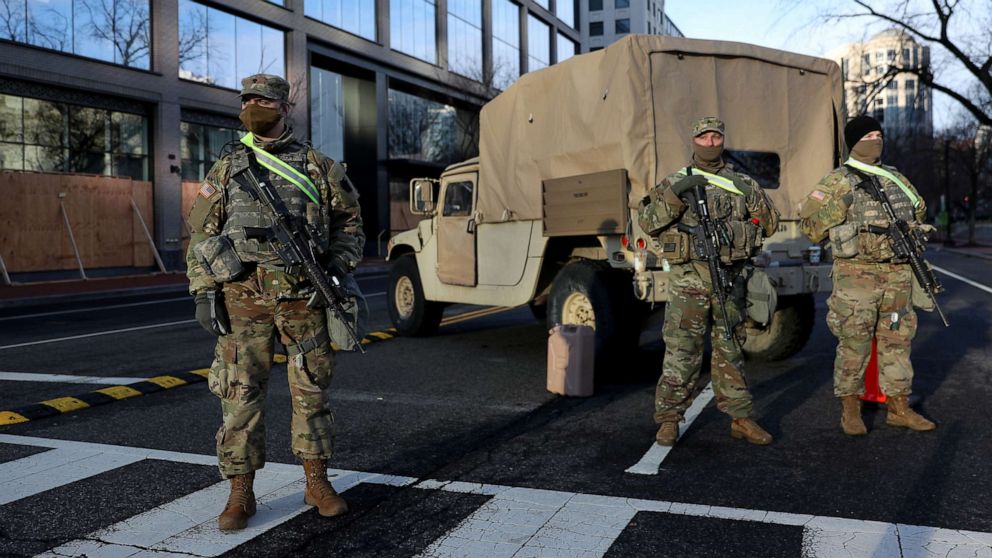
(546, 215)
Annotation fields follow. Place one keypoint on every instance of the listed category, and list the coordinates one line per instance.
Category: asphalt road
(450, 446)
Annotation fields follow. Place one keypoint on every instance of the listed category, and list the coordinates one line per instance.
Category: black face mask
(259, 119)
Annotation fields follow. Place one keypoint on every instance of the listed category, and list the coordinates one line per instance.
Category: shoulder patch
(207, 190)
(817, 195)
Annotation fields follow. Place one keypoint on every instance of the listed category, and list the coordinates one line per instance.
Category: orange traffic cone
(872, 392)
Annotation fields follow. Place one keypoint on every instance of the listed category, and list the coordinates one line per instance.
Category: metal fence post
(3, 273)
(148, 235)
(72, 238)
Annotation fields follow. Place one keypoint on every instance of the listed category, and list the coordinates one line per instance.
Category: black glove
(743, 185)
(688, 183)
(211, 313)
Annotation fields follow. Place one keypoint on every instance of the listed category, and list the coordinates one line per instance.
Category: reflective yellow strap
(280, 167)
(879, 171)
(716, 180)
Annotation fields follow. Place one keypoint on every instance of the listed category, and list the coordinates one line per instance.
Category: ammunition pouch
(219, 260)
(356, 312)
(762, 298)
(674, 246)
(745, 239)
(875, 247)
(844, 240)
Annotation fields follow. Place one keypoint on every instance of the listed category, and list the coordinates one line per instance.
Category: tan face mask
(868, 152)
(259, 119)
(708, 153)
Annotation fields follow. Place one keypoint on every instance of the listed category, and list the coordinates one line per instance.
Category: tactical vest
(865, 210)
(243, 211)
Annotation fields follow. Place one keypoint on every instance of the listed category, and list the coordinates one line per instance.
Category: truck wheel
(589, 293)
(787, 333)
(412, 314)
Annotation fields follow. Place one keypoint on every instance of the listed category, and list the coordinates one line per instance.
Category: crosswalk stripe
(51, 469)
(649, 464)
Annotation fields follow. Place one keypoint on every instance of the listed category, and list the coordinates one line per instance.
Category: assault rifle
(707, 237)
(906, 243)
(295, 246)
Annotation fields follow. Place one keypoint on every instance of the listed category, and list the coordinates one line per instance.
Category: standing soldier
(745, 213)
(245, 295)
(872, 289)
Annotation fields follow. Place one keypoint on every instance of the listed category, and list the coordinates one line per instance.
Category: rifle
(295, 247)
(707, 237)
(906, 243)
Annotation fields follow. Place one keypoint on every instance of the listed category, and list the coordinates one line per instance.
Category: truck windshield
(762, 166)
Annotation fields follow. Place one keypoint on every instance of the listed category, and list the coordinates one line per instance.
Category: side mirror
(422, 196)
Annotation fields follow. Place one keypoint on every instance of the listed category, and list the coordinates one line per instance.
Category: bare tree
(125, 24)
(192, 35)
(13, 19)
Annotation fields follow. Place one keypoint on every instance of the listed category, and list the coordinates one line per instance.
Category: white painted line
(67, 378)
(370, 295)
(91, 309)
(421, 400)
(51, 469)
(977, 285)
(584, 528)
(87, 335)
(651, 462)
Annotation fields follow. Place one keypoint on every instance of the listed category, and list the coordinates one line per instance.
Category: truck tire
(587, 292)
(788, 332)
(411, 313)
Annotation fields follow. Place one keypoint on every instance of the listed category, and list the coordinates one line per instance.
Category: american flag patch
(207, 190)
(817, 195)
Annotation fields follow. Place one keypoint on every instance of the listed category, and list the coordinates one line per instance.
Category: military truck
(547, 214)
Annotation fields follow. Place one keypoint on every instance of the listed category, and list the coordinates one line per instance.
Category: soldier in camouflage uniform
(872, 290)
(234, 271)
(739, 202)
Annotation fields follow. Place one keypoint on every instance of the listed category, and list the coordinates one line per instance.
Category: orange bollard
(872, 394)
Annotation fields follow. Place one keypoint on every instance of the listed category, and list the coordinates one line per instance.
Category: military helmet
(266, 85)
(708, 124)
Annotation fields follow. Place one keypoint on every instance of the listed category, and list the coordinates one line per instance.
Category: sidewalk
(43, 290)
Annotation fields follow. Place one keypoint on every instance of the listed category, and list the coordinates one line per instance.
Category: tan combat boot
(747, 429)
(240, 504)
(668, 433)
(319, 491)
(899, 414)
(850, 416)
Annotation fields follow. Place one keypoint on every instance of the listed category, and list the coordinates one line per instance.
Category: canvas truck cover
(632, 105)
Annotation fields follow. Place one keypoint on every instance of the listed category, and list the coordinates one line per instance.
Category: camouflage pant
(692, 307)
(862, 305)
(240, 375)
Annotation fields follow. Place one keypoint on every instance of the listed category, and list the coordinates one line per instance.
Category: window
(891, 55)
(595, 5)
(892, 100)
(412, 29)
(542, 3)
(354, 16)
(565, 10)
(219, 48)
(911, 101)
(426, 130)
(765, 167)
(910, 85)
(327, 112)
(538, 44)
(457, 200)
(622, 26)
(45, 136)
(116, 31)
(905, 56)
(200, 146)
(506, 43)
(465, 38)
(893, 84)
(621, 4)
(566, 48)
(595, 28)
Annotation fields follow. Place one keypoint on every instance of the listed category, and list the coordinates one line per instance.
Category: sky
(792, 25)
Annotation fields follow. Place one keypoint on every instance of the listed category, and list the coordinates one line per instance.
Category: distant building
(605, 21)
(872, 86)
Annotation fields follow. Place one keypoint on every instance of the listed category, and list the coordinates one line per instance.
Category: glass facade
(565, 10)
(465, 38)
(219, 48)
(506, 43)
(622, 26)
(200, 146)
(425, 130)
(116, 31)
(354, 16)
(566, 48)
(412, 28)
(538, 44)
(327, 112)
(42, 135)
(621, 4)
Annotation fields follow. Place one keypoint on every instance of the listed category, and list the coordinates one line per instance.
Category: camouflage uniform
(692, 304)
(265, 299)
(870, 286)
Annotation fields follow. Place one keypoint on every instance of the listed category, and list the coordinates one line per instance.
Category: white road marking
(91, 309)
(68, 378)
(651, 462)
(520, 522)
(421, 400)
(977, 285)
(51, 469)
(370, 295)
(87, 335)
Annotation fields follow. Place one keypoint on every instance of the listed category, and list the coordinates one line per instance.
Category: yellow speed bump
(66, 404)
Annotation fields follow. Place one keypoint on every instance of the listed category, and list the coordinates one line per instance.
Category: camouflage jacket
(829, 206)
(221, 202)
(662, 208)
